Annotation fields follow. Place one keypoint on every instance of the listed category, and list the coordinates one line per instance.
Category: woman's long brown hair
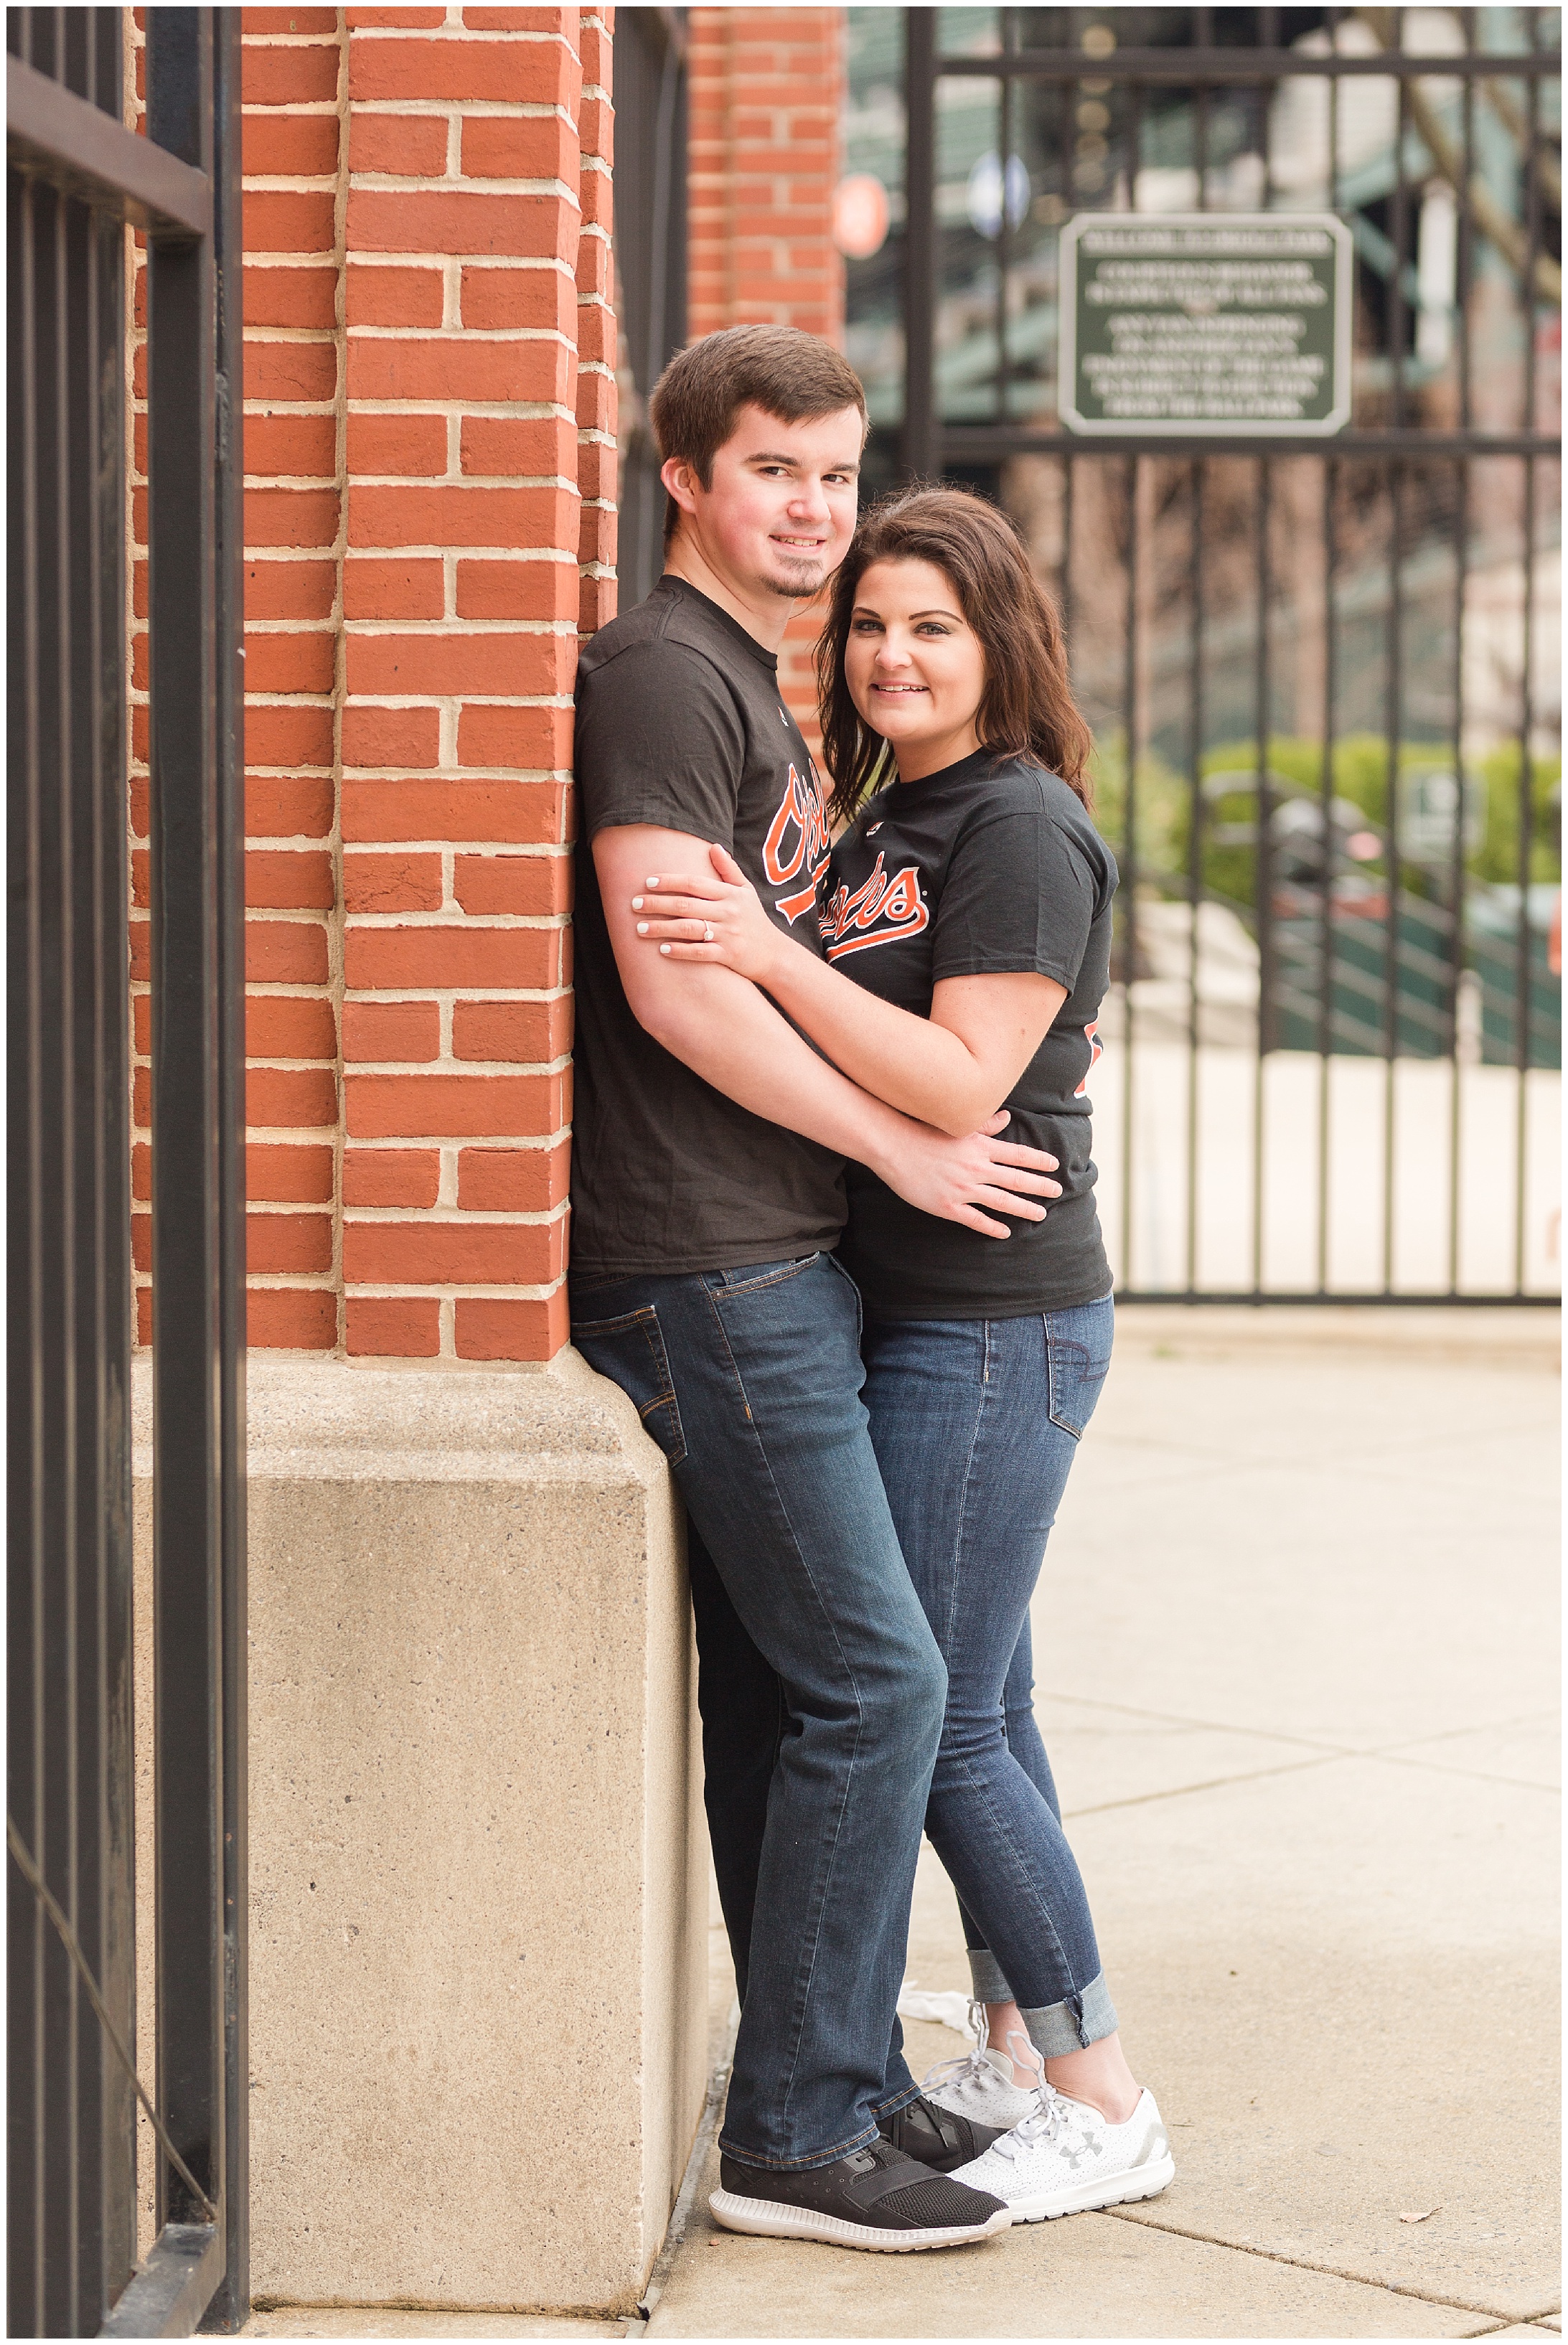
(1027, 709)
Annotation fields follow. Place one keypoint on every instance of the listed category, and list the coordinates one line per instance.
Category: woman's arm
(952, 1070)
(728, 1033)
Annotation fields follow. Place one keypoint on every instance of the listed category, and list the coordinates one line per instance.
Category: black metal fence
(75, 178)
(1320, 672)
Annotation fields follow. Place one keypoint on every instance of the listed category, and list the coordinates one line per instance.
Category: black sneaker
(939, 2138)
(876, 2199)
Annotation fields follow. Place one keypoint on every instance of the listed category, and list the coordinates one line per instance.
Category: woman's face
(914, 665)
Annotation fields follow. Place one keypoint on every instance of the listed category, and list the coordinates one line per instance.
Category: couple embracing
(834, 1232)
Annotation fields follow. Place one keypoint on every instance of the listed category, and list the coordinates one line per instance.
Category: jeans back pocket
(630, 1351)
(1078, 1353)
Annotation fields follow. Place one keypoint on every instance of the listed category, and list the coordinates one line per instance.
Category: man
(706, 1198)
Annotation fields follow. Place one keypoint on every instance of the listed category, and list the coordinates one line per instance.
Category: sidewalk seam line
(1331, 2272)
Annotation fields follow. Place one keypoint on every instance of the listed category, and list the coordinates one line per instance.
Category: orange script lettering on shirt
(891, 907)
(797, 843)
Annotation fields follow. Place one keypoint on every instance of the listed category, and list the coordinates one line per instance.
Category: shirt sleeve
(1018, 896)
(658, 740)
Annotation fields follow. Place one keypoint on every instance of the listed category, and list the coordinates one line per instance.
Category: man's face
(779, 510)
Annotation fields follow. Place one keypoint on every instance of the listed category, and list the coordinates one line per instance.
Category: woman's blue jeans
(976, 1424)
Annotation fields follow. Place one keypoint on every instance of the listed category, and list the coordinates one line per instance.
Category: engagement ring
(708, 932)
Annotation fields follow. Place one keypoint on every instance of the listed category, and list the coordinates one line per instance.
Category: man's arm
(720, 1025)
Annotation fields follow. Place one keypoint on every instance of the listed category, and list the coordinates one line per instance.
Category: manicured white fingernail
(653, 880)
(637, 903)
(642, 927)
(664, 948)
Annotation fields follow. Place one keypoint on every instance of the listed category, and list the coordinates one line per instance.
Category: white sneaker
(1065, 2159)
(980, 2088)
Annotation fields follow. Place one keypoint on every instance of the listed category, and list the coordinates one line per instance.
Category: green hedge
(1360, 775)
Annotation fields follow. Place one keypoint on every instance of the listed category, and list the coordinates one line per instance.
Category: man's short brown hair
(787, 373)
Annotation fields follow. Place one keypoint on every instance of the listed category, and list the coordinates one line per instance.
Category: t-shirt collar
(975, 763)
(683, 588)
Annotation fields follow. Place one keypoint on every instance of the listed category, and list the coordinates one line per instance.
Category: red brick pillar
(429, 514)
(461, 603)
(765, 97)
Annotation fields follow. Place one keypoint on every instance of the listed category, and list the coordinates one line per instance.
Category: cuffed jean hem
(988, 1981)
(1061, 2027)
(765, 2164)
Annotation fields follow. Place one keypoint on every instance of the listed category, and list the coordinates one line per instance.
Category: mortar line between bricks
(1330, 2272)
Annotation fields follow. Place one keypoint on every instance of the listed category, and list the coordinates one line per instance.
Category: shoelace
(970, 2066)
(1054, 2118)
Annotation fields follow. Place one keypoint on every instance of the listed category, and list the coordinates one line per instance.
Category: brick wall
(765, 94)
(430, 449)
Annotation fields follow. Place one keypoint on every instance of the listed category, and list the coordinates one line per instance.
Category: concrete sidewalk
(1295, 1644)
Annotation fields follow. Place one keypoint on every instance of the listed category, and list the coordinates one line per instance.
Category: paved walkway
(1296, 1650)
(1296, 1645)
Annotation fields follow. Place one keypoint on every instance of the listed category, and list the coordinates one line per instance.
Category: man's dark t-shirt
(679, 723)
(983, 870)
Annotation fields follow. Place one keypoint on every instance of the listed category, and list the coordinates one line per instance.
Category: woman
(967, 931)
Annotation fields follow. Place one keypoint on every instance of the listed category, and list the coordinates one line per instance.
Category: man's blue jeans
(820, 1682)
(976, 1425)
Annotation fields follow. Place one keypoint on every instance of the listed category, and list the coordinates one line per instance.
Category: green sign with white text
(1209, 325)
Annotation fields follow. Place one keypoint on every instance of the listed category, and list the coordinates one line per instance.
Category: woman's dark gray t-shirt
(986, 868)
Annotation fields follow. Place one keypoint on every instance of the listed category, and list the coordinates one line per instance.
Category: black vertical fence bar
(1129, 875)
(24, 1921)
(921, 424)
(1394, 703)
(1267, 976)
(1202, 34)
(1463, 263)
(1326, 940)
(101, 1335)
(1130, 703)
(1397, 333)
(1263, 871)
(1521, 1019)
(1004, 106)
(1194, 859)
(230, 2307)
(188, 1366)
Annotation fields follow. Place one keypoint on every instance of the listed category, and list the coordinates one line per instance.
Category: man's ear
(678, 477)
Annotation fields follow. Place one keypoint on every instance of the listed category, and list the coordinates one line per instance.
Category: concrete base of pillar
(478, 1868)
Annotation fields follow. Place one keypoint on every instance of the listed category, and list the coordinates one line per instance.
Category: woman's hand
(954, 1179)
(714, 917)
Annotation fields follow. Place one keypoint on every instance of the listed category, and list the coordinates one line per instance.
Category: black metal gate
(1321, 673)
(75, 178)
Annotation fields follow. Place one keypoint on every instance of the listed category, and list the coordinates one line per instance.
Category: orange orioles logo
(1097, 1051)
(893, 907)
(797, 844)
